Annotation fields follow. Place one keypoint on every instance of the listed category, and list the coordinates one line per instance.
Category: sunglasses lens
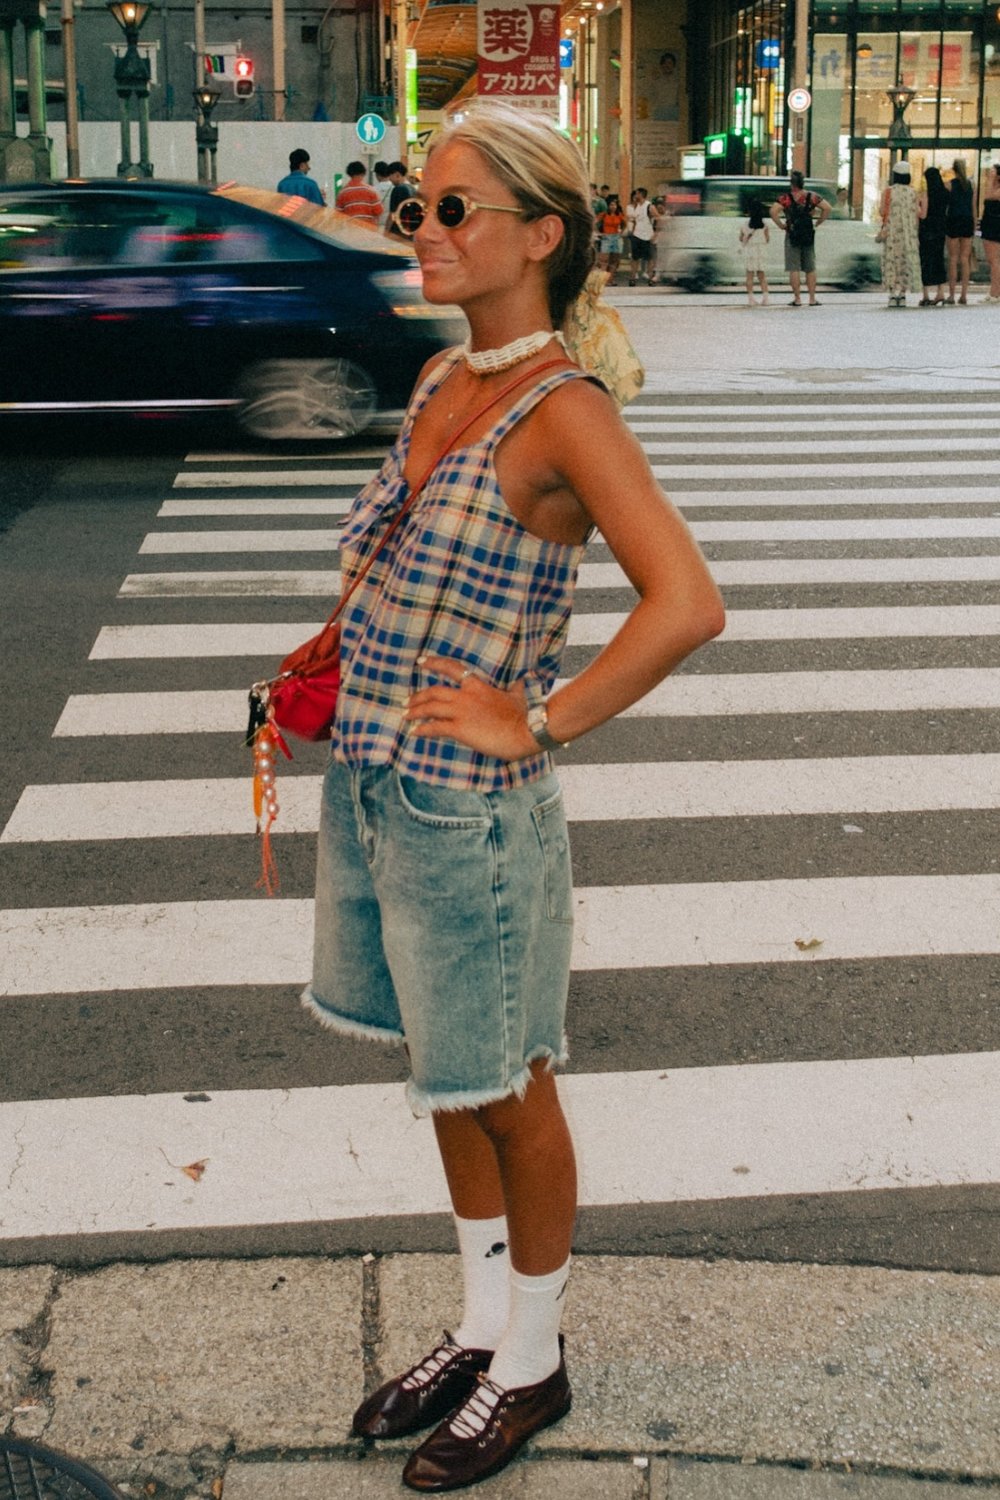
(410, 215)
(451, 210)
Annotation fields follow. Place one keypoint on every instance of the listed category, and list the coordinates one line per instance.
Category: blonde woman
(443, 903)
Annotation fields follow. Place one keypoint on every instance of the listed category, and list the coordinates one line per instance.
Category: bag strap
(407, 504)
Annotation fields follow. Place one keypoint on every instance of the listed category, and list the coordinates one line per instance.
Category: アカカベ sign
(518, 46)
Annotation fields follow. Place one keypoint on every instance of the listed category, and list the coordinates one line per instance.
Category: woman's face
(488, 252)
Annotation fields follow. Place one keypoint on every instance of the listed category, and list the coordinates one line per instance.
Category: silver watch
(538, 723)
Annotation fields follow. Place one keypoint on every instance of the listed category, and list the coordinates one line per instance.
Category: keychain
(264, 739)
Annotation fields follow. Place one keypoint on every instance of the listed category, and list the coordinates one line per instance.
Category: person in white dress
(754, 239)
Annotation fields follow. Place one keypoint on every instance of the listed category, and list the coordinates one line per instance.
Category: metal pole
(69, 82)
(627, 100)
(8, 116)
(125, 165)
(35, 37)
(402, 28)
(199, 43)
(800, 80)
(278, 48)
(145, 165)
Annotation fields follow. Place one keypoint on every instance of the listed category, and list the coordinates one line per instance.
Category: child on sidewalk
(754, 237)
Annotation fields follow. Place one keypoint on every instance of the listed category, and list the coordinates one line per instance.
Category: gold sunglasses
(452, 210)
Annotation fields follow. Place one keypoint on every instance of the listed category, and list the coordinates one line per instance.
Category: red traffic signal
(243, 84)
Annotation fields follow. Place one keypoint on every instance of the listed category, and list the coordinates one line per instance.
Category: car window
(90, 230)
(721, 197)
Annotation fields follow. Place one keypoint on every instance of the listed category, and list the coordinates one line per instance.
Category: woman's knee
(506, 1118)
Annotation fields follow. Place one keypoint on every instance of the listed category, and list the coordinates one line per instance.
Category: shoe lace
(472, 1417)
(433, 1364)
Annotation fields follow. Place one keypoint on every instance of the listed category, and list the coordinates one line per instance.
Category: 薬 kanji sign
(518, 50)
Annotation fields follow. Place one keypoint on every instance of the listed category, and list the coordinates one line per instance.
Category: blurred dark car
(137, 297)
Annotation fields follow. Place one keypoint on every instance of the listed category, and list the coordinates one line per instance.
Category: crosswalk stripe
(310, 505)
(880, 570)
(708, 1133)
(687, 695)
(592, 793)
(912, 528)
(792, 429)
(170, 944)
(778, 413)
(748, 467)
(861, 446)
(140, 642)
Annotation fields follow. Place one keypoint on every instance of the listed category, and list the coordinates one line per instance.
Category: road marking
(713, 1133)
(311, 505)
(739, 445)
(805, 470)
(66, 950)
(854, 785)
(682, 696)
(147, 642)
(235, 479)
(787, 428)
(248, 541)
(911, 528)
(777, 413)
(266, 583)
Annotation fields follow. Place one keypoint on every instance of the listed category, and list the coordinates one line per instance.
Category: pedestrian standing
(401, 190)
(934, 203)
(298, 183)
(443, 902)
(795, 214)
(659, 214)
(960, 226)
(357, 199)
(612, 237)
(640, 225)
(754, 239)
(990, 228)
(900, 236)
(383, 186)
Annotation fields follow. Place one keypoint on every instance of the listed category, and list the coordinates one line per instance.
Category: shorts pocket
(443, 807)
(550, 824)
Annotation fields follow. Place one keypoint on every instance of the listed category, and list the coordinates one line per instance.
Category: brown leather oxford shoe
(448, 1460)
(424, 1393)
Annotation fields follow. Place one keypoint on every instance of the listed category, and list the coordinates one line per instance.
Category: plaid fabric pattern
(460, 578)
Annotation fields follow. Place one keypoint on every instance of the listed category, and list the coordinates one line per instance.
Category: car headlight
(405, 293)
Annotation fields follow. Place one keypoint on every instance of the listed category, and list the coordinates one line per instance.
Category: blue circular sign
(370, 129)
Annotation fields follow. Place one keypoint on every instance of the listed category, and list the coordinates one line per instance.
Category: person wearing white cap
(901, 213)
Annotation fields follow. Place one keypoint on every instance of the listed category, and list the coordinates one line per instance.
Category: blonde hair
(546, 175)
(959, 168)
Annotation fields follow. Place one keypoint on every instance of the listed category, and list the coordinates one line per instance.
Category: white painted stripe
(912, 528)
(708, 1134)
(262, 583)
(333, 455)
(742, 448)
(232, 479)
(258, 505)
(83, 949)
(749, 468)
(138, 642)
(814, 412)
(634, 792)
(856, 529)
(298, 540)
(306, 505)
(687, 695)
(790, 429)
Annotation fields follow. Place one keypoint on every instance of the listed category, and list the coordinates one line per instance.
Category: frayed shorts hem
(424, 1102)
(334, 1021)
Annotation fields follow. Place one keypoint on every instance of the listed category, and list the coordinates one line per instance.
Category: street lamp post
(132, 77)
(900, 97)
(206, 134)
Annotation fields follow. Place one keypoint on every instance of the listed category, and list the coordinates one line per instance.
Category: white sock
(485, 1276)
(529, 1349)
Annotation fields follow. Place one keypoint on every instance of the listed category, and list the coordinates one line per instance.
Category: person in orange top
(358, 199)
(611, 225)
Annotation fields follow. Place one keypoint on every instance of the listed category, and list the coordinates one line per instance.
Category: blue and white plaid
(460, 578)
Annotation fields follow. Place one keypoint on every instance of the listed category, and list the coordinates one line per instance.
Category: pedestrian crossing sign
(370, 129)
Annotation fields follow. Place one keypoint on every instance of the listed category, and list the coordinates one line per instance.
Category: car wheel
(701, 276)
(860, 273)
(306, 398)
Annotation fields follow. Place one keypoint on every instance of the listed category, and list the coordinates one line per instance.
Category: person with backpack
(798, 214)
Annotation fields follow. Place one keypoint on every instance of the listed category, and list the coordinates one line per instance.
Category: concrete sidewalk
(692, 1380)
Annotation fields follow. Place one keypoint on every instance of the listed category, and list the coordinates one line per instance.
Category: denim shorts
(444, 919)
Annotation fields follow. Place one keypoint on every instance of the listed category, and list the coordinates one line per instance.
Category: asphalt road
(787, 866)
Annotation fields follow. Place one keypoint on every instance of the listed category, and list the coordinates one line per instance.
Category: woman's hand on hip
(463, 707)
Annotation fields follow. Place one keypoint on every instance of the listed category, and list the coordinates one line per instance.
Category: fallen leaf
(195, 1170)
(217, 1489)
(803, 944)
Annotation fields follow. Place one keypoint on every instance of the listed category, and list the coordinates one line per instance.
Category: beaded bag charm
(265, 739)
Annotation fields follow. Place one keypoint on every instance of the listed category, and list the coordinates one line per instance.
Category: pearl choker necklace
(491, 361)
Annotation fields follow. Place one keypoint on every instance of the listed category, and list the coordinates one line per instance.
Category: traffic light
(243, 84)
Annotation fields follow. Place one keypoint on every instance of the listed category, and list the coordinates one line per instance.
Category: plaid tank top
(460, 578)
